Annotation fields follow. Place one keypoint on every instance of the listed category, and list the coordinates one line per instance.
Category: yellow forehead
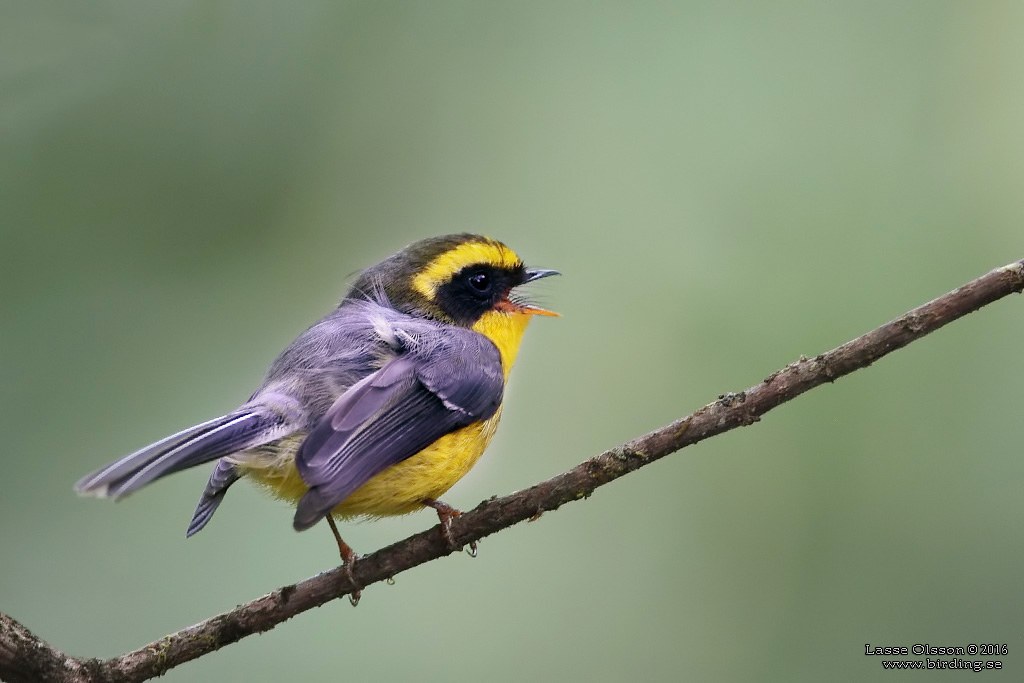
(442, 268)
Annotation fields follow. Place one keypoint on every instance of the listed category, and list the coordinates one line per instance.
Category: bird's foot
(445, 513)
(349, 559)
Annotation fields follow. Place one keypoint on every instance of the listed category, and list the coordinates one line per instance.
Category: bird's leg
(348, 557)
(445, 513)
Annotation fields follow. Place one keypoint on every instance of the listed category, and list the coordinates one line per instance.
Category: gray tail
(224, 475)
(188, 448)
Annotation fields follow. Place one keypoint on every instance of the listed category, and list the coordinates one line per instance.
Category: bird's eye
(480, 282)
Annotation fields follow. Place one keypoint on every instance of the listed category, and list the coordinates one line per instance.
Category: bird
(375, 410)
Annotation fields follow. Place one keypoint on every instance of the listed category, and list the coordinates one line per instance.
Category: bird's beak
(532, 275)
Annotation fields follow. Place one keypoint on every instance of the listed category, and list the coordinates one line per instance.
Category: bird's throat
(506, 330)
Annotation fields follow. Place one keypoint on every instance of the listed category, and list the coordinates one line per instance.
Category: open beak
(531, 275)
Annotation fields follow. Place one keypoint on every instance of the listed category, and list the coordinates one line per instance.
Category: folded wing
(443, 384)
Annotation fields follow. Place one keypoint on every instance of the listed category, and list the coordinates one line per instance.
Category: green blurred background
(184, 186)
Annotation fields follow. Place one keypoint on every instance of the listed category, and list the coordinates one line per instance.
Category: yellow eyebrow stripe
(442, 268)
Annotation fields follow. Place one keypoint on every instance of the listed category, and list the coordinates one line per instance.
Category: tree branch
(24, 657)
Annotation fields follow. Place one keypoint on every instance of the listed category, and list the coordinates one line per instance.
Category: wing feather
(448, 381)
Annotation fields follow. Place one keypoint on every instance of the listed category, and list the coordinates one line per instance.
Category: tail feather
(224, 475)
(194, 446)
(216, 442)
(97, 483)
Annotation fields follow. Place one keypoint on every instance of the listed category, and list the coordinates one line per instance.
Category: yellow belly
(398, 490)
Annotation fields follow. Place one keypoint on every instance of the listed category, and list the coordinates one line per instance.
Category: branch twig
(24, 657)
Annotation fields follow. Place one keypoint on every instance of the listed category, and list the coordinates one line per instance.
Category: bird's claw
(347, 567)
(446, 513)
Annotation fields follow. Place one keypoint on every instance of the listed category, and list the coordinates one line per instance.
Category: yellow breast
(399, 489)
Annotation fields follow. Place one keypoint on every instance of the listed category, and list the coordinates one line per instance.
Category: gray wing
(443, 384)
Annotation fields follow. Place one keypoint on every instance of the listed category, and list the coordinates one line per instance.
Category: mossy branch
(24, 657)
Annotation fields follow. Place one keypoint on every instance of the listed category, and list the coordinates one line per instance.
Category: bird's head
(453, 278)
